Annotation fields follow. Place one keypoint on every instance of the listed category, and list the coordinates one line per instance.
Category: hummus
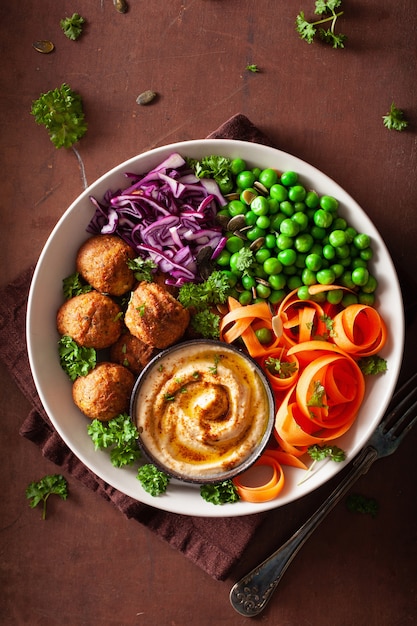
(202, 410)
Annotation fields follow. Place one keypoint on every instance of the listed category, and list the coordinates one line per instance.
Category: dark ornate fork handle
(250, 595)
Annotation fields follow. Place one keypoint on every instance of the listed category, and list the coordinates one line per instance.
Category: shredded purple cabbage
(167, 215)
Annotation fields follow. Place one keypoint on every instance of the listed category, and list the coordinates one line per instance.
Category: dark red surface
(87, 564)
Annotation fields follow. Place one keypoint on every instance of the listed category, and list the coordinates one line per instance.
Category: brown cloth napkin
(214, 544)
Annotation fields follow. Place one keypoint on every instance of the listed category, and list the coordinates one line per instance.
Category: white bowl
(57, 261)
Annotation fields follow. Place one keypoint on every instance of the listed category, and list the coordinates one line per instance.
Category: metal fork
(250, 595)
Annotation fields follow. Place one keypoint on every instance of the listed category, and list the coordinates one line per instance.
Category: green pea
(337, 238)
(237, 166)
(313, 262)
(264, 335)
(277, 281)
(297, 193)
(329, 252)
(272, 266)
(248, 281)
(346, 280)
(361, 241)
(270, 240)
(301, 219)
(257, 172)
(338, 269)
(304, 242)
(236, 207)
(263, 291)
(262, 255)
(268, 177)
(300, 261)
(260, 206)
(371, 285)
(312, 200)
(287, 256)
(223, 258)
(366, 298)
(250, 218)
(231, 277)
(303, 293)
(335, 296)
(225, 186)
(358, 262)
(247, 195)
(276, 296)
(278, 192)
(234, 244)
(255, 232)
(349, 298)
(245, 179)
(328, 203)
(284, 242)
(366, 254)
(245, 298)
(263, 221)
(360, 276)
(287, 208)
(339, 223)
(318, 232)
(342, 252)
(300, 207)
(350, 233)
(326, 277)
(273, 206)
(289, 227)
(294, 282)
(289, 178)
(276, 221)
(308, 277)
(322, 218)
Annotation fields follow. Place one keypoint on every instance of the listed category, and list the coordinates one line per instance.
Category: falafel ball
(92, 319)
(131, 352)
(102, 262)
(105, 392)
(155, 316)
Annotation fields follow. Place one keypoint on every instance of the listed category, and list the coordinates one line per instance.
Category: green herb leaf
(214, 290)
(319, 453)
(372, 365)
(61, 112)
(216, 167)
(252, 68)
(73, 285)
(307, 29)
(219, 493)
(318, 395)
(394, 119)
(279, 368)
(152, 479)
(75, 360)
(72, 26)
(143, 268)
(207, 324)
(244, 260)
(40, 491)
(120, 435)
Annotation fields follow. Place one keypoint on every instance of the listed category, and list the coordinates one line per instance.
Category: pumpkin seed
(248, 195)
(258, 243)
(146, 97)
(44, 46)
(236, 223)
(121, 6)
(260, 187)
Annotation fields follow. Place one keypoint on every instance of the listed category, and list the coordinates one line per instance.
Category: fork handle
(250, 595)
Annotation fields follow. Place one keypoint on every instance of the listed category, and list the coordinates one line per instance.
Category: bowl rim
(180, 501)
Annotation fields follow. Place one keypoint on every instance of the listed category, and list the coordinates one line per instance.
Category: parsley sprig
(152, 479)
(394, 119)
(61, 112)
(75, 360)
(216, 167)
(372, 365)
(214, 290)
(39, 491)
(73, 285)
(219, 493)
(308, 30)
(120, 435)
(143, 269)
(72, 26)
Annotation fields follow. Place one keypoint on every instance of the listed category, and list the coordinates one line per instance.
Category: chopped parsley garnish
(372, 365)
(120, 436)
(143, 269)
(201, 296)
(280, 368)
(394, 119)
(75, 360)
(72, 26)
(358, 503)
(206, 323)
(216, 167)
(308, 29)
(73, 285)
(319, 453)
(220, 493)
(318, 395)
(152, 479)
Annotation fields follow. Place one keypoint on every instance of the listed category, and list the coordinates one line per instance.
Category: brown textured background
(88, 564)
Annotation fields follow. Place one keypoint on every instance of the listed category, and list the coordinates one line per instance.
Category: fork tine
(402, 406)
